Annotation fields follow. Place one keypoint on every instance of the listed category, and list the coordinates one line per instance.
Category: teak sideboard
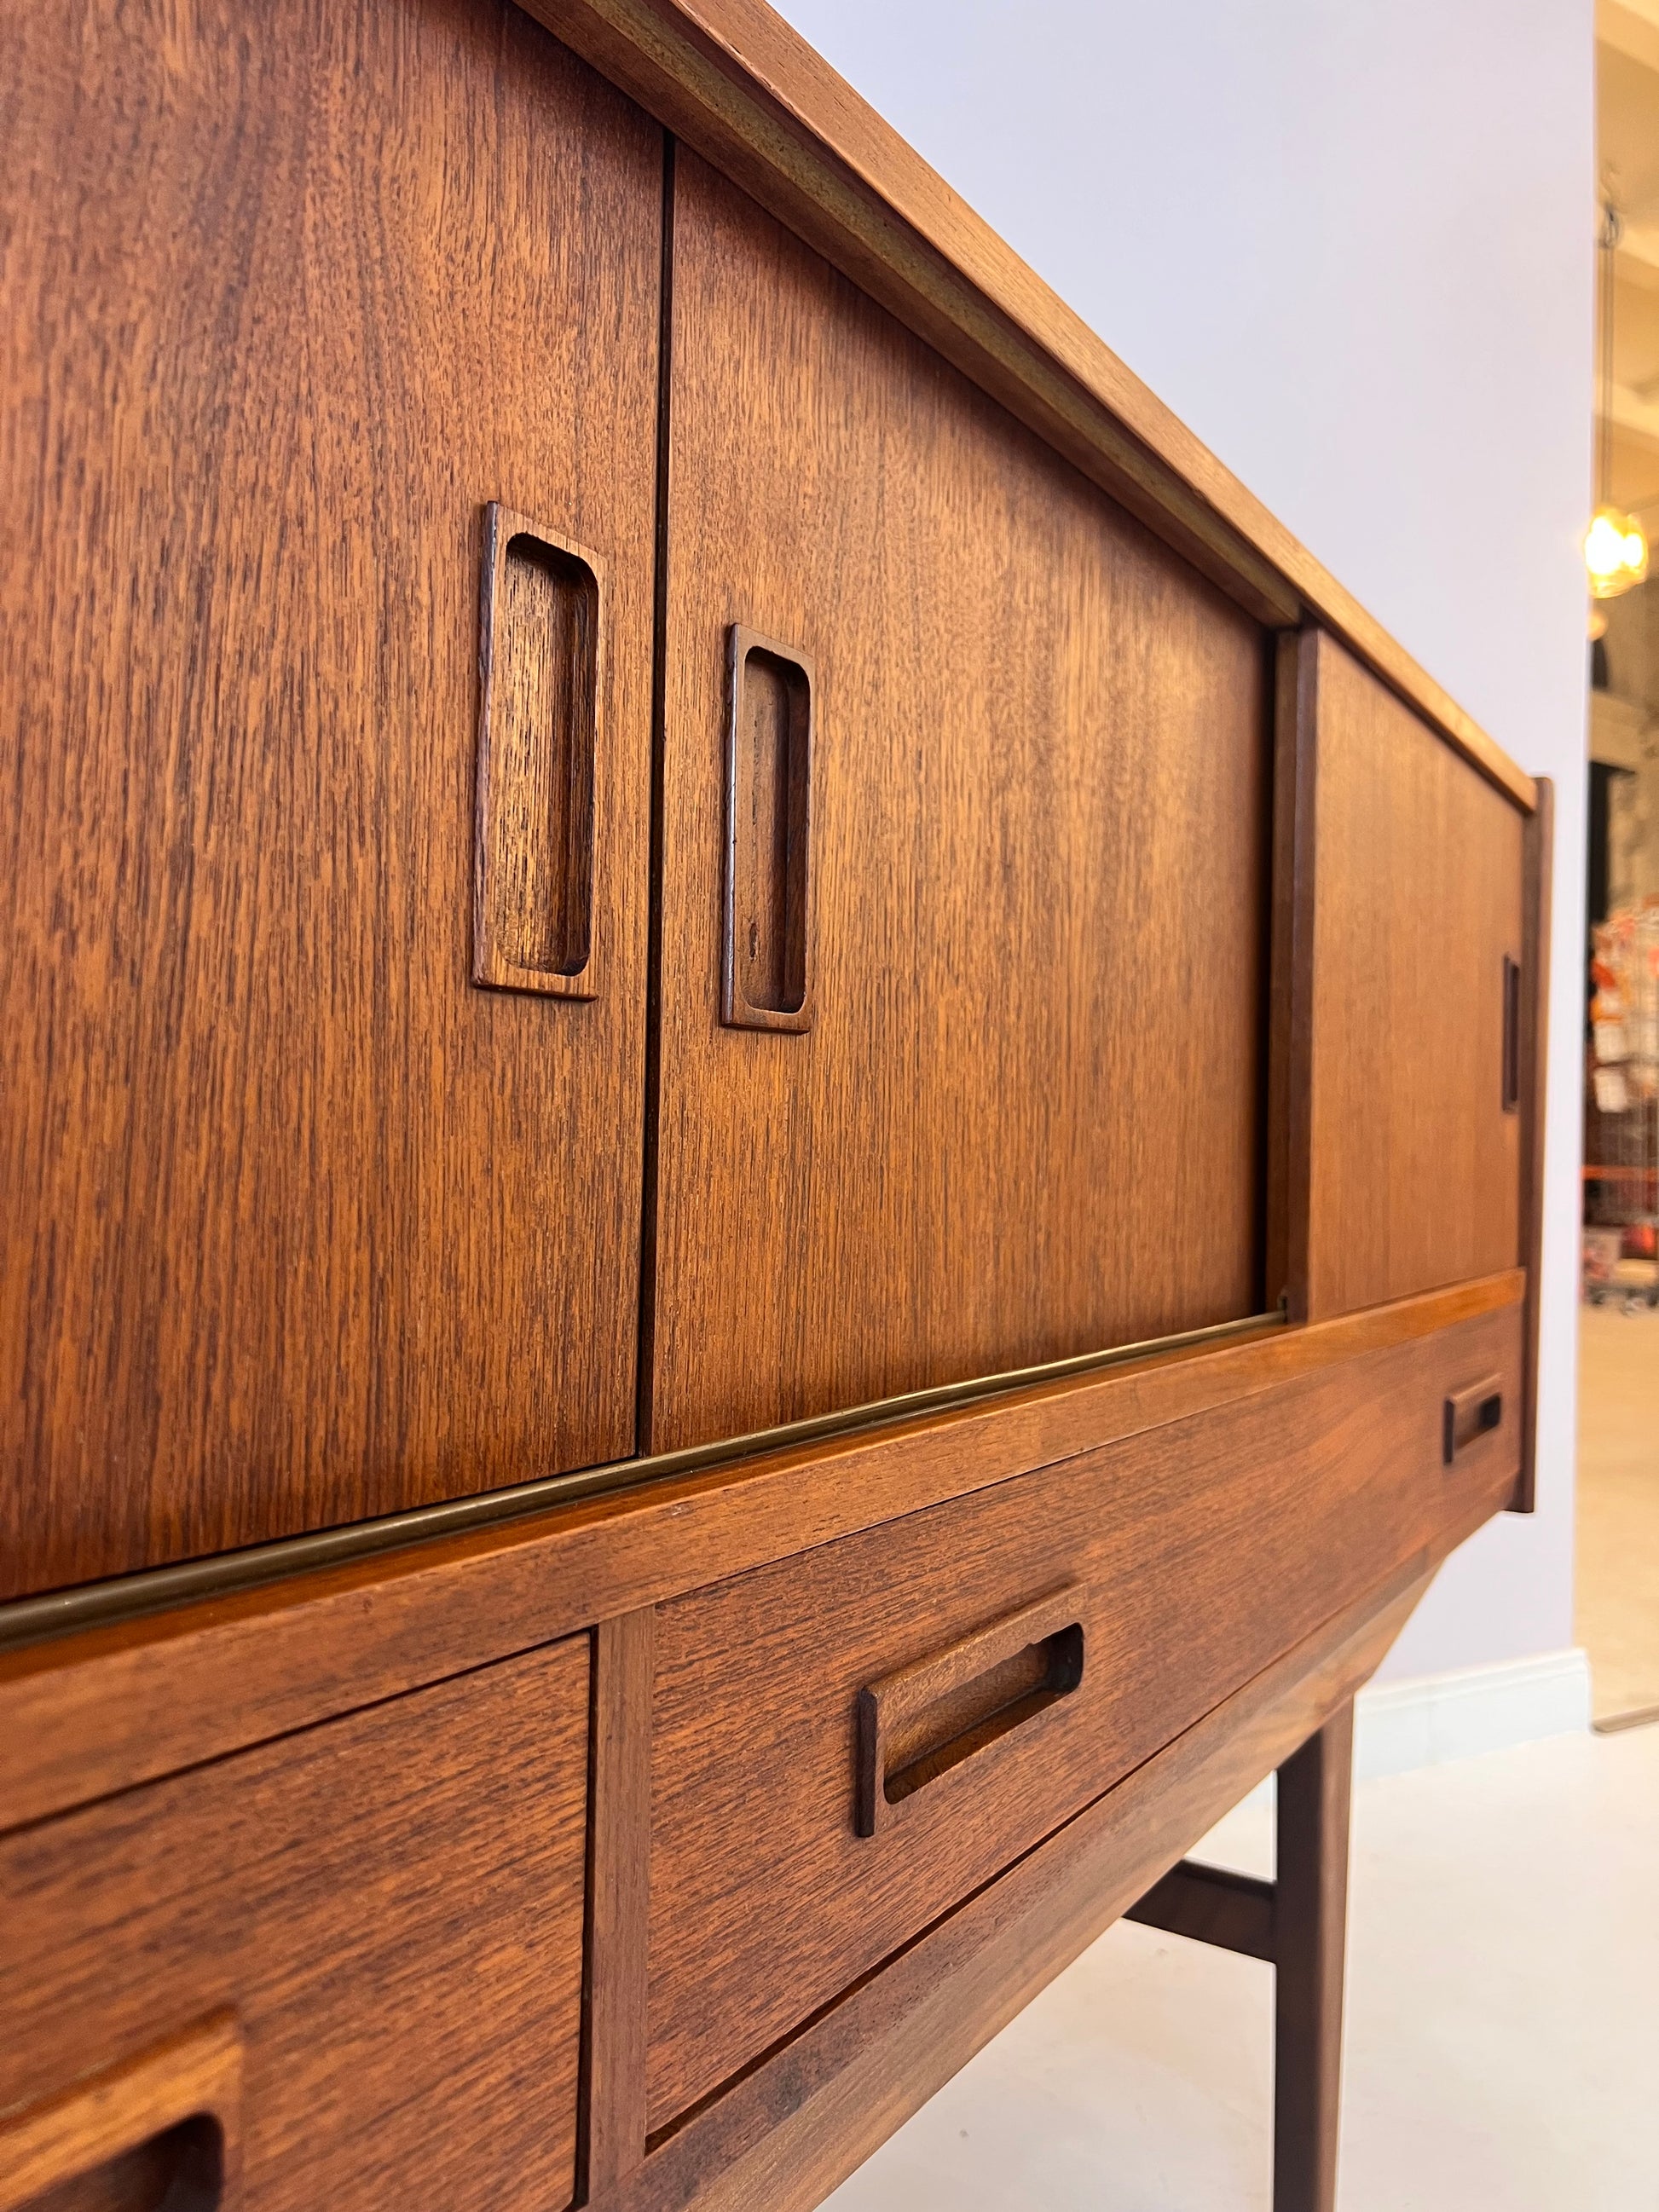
(771, 1129)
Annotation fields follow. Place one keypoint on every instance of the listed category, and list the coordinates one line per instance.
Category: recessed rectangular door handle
(766, 980)
(1511, 1035)
(541, 630)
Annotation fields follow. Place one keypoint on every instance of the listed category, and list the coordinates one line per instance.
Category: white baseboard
(1425, 1723)
(1401, 1725)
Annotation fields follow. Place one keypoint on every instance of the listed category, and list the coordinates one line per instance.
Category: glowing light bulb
(1604, 548)
(1615, 553)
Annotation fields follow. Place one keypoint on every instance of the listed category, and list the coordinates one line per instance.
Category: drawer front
(1188, 1559)
(360, 1949)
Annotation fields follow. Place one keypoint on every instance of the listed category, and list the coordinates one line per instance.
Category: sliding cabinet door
(964, 875)
(1416, 998)
(303, 1223)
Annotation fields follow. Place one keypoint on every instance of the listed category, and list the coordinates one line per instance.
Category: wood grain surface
(619, 1886)
(783, 2136)
(161, 2129)
(1198, 1555)
(391, 1907)
(300, 1226)
(83, 1715)
(748, 93)
(1415, 1168)
(1027, 1121)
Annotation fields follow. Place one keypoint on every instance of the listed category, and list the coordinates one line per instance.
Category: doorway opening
(1618, 1532)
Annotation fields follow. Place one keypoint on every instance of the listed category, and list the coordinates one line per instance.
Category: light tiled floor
(1503, 2027)
(1618, 1556)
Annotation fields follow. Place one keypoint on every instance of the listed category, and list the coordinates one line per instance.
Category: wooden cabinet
(1023, 1117)
(351, 1959)
(1416, 996)
(348, 544)
(301, 1225)
(656, 827)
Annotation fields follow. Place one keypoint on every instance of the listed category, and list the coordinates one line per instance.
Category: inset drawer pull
(1471, 1414)
(915, 1724)
(164, 2126)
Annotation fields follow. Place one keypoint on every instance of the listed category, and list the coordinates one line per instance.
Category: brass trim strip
(58, 1612)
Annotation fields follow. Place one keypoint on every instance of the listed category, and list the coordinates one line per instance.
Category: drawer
(358, 1949)
(1183, 1561)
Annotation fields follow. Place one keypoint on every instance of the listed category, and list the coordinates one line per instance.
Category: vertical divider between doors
(1290, 1027)
(612, 2107)
(647, 1288)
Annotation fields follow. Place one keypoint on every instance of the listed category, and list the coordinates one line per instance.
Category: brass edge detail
(120, 1597)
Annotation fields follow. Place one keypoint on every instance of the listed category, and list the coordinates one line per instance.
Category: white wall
(1350, 242)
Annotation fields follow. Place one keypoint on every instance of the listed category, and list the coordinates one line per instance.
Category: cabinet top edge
(746, 92)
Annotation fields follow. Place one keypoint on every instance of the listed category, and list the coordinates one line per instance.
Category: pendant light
(1615, 545)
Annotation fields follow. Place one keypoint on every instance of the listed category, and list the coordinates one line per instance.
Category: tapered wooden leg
(1311, 1915)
